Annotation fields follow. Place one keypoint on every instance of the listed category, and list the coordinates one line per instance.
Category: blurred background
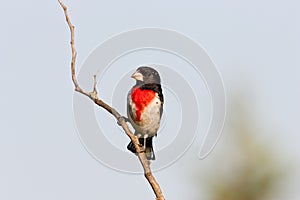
(247, 164)
(255, 45)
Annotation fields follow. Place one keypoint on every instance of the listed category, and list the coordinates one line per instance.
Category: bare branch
(120, 119)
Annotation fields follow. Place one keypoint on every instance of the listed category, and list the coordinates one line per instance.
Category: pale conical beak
(137, 76)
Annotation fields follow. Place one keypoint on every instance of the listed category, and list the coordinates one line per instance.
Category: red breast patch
(141, 99)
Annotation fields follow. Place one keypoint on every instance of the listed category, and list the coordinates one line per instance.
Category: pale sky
(255, 45)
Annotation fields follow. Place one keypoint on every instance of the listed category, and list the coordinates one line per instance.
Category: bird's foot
(142, 149)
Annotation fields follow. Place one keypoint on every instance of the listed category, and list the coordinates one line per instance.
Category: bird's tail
(148, 147)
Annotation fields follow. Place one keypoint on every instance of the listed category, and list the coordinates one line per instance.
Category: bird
(145, 108)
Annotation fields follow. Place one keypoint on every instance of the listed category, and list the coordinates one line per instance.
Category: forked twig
(120, 119)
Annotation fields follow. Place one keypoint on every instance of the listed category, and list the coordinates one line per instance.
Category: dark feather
(156, 88)
(148, 148)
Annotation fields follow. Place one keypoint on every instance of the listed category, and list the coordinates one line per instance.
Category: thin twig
(120, 119)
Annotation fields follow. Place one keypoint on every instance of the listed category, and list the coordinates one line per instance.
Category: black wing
(129, 109)
(156, 88)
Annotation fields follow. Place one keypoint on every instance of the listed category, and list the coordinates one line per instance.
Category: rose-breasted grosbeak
(145, 108)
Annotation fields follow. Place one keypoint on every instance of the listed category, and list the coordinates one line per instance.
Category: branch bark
(120, 119)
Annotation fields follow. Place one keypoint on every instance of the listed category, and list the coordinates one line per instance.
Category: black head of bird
(146, 75)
